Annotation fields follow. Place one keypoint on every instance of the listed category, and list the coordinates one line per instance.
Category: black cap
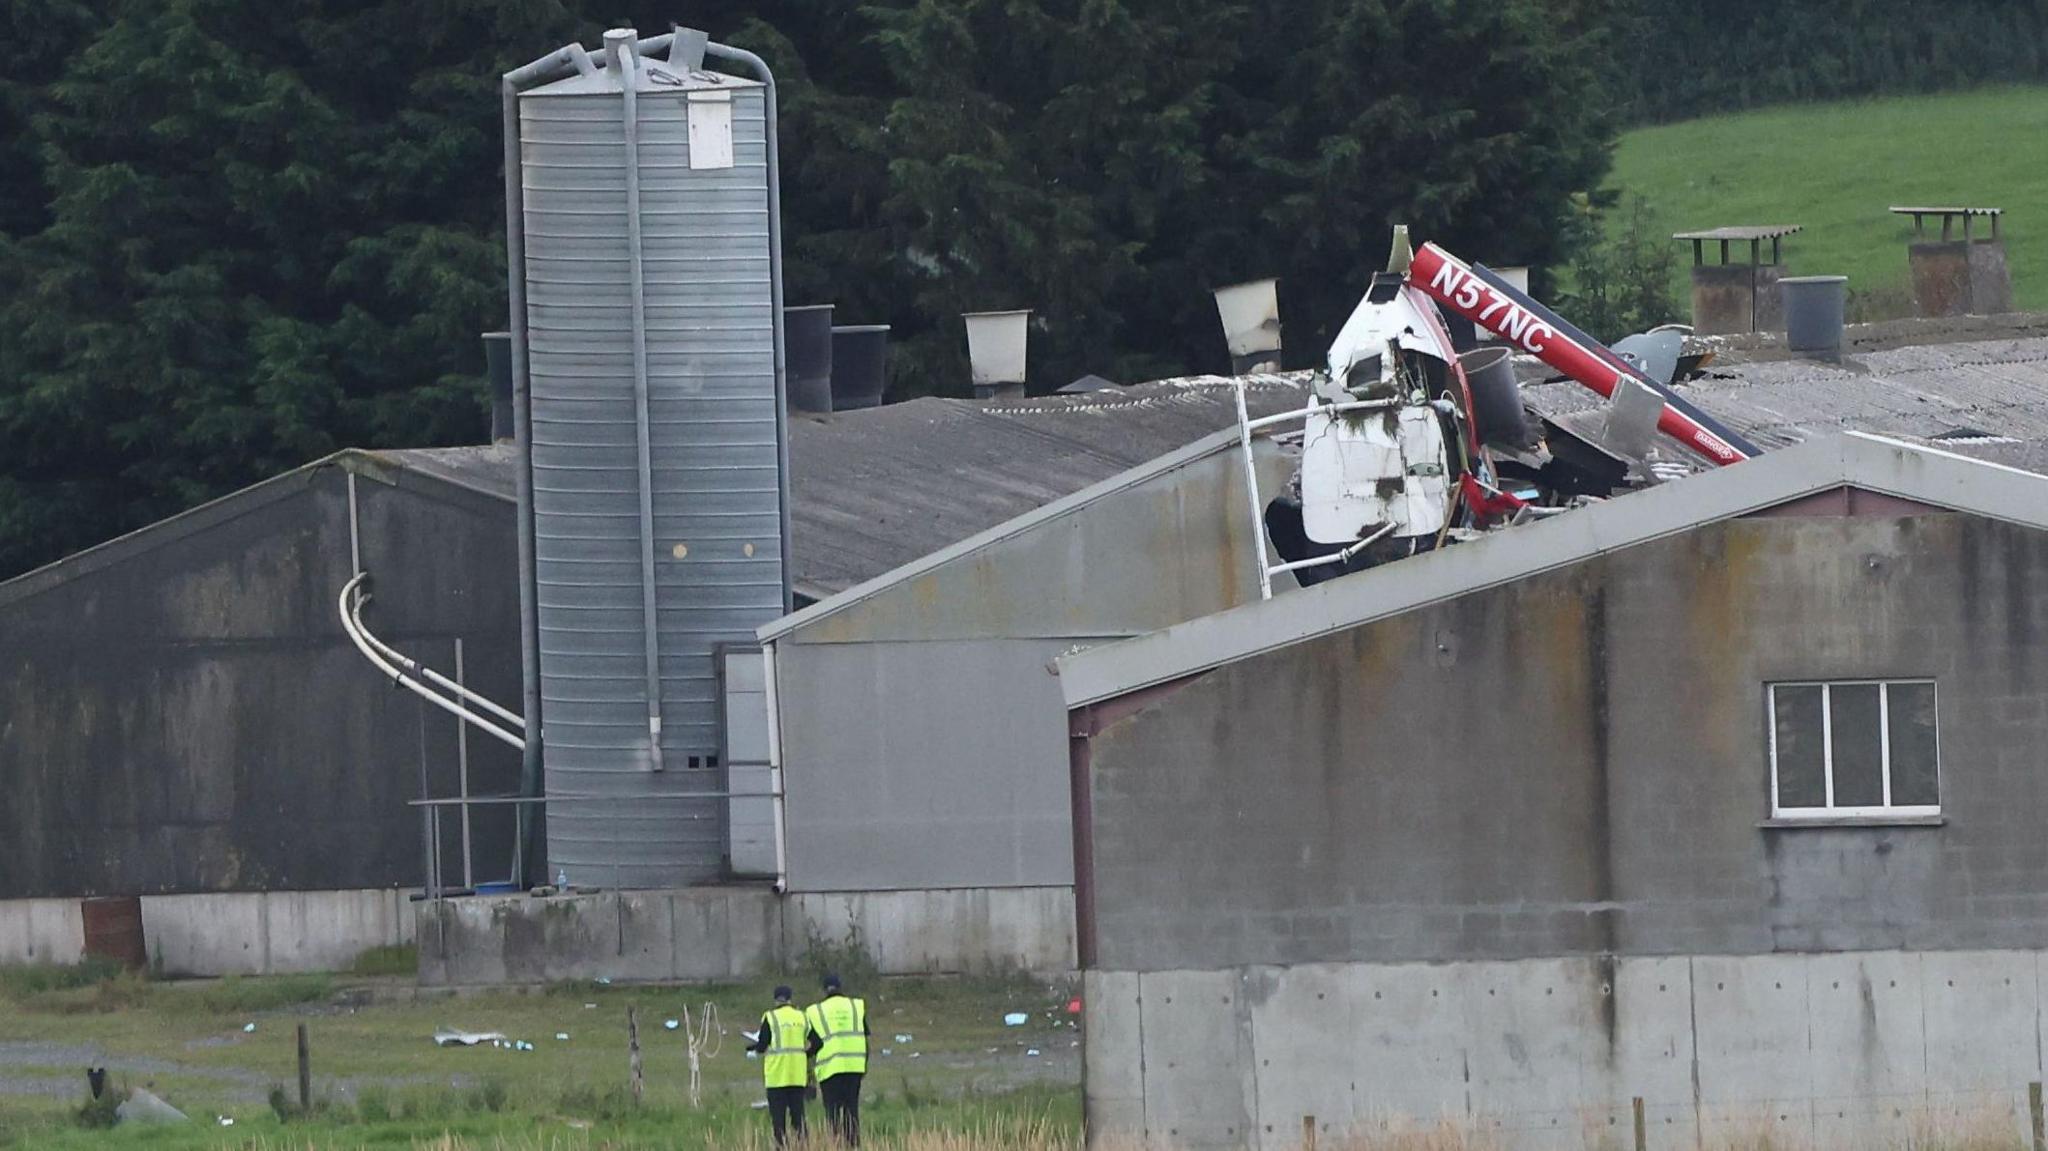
(831, 981)
(783, 994)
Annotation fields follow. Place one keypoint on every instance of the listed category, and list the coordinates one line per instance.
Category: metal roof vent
(1251, 325)
(808, 330)
(995, 349)
(860, 362)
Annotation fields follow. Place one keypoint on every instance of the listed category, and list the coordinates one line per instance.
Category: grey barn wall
(1576, 764)
(180, 712)
(939, 765)
(923, 732)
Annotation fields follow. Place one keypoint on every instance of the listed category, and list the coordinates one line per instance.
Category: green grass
(1836, 168)
(1031, 1119)
(85, 990)
(385, 1084)
(21, 980)
(396, 959)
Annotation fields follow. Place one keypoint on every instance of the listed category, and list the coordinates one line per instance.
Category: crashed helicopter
(1415, 436)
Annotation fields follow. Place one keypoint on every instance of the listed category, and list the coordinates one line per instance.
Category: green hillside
(1835, 168)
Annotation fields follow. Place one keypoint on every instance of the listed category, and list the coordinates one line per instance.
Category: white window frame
(1827, 730)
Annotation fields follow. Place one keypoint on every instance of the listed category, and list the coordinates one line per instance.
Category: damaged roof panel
(1917, 392)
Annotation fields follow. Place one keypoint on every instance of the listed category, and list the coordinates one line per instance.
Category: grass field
(379, 1080)
(1836, 168)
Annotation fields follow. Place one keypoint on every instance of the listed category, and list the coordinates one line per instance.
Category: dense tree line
(236, 235)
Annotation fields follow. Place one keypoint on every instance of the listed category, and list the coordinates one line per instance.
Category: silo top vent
(652, 75)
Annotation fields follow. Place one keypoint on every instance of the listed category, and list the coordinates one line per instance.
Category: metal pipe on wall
(772, 700)
(349, 604)
(426, 673)
(619, 48)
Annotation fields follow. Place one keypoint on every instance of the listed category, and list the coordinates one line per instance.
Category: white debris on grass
(145, 1107)
(450, 1037)
(1016, 1019)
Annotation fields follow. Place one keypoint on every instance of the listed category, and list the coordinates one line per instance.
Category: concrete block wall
(223, 933)
(41, 931)
(977, 930)
(726, 933)
(271, 932)
(1822, 1051)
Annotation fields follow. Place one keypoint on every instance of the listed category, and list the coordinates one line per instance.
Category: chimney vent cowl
(995, 349)
(1251, 324)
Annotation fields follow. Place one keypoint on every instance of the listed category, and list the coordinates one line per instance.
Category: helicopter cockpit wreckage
(1415, 436)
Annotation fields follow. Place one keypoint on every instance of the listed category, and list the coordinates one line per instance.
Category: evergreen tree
(1108, 161)
(235, 236)
(270, 231)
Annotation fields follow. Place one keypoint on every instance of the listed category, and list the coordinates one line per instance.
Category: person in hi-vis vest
(785, 1064)
(838, 1026)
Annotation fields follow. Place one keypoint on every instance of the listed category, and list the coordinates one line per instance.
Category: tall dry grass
(1930, 1131)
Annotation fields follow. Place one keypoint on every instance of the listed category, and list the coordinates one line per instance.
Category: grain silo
(647, 241)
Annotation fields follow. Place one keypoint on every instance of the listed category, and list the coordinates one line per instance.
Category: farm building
(934, 535)
(1721, 796)
(182, 716)
(183, 719)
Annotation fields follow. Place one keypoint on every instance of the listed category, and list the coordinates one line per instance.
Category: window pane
(1915, 774)
(1798, 746)
(1858, 747)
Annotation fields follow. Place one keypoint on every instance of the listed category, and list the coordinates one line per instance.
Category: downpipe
(771, 696)
(623, 54)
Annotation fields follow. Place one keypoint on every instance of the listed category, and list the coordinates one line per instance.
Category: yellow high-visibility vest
(842, 1023)
(783, 1063)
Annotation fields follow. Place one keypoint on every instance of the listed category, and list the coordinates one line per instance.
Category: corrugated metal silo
(655, 448)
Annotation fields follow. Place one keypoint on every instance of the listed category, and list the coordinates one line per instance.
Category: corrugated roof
(877, 489)
(873, 490)
(1917, 393)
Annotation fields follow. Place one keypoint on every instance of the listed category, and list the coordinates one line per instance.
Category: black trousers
(842, 1105)
(786, 1112)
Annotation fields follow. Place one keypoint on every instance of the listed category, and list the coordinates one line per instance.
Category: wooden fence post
(633, 1050)
(1642, 1132)
(305, 1074)
(1308, 1133)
